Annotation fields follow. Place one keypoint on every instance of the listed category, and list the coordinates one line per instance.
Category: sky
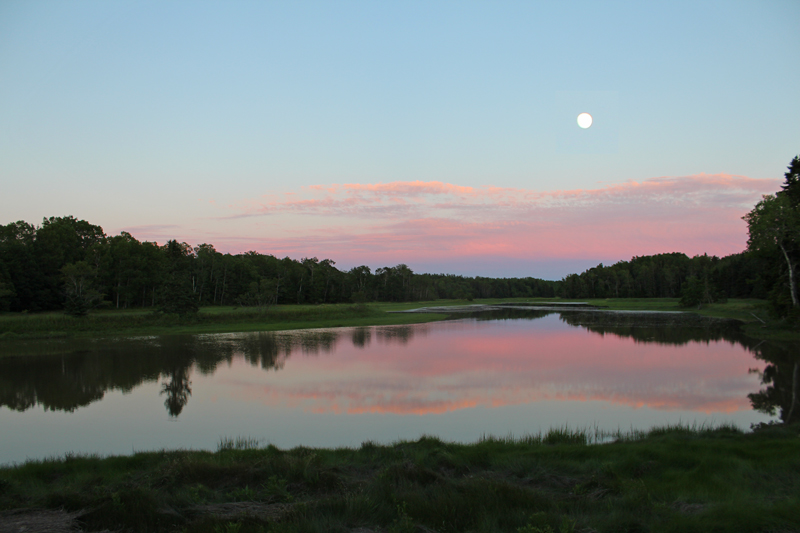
(441, 135)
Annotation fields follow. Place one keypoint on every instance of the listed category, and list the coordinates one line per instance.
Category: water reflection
(178, 389)
(668, 329)
(781, 379)
(397, 369)
(361, 337)
(70, 375)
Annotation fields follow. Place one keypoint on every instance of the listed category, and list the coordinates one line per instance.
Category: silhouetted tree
(791, 184)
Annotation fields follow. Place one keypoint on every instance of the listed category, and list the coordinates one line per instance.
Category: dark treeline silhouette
(699, 279)
(71, 264)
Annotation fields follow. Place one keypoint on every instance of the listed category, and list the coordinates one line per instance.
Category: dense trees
(774, 228)
(767, 269)
(71, 264)
(76, 267)
(702, 279)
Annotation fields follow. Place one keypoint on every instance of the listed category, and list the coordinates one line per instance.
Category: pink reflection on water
(460, 365)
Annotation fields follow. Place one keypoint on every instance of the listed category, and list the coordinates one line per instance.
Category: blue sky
(170, 118)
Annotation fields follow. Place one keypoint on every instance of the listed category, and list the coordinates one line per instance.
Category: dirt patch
(38, 520)
(266, 512)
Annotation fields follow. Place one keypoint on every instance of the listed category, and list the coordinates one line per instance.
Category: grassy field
(208, 320)
(668, 480)
(285, 317)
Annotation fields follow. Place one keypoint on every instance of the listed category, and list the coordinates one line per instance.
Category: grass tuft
(237, 443)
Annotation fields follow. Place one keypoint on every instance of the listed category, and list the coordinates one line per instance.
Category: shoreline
(129, 323)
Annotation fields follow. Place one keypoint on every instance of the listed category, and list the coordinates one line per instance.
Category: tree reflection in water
(178, 390)
(74, 374)
(780, 376)
(361, 337)
(781, 379)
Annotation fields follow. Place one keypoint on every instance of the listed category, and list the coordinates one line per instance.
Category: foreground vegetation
(672, 479)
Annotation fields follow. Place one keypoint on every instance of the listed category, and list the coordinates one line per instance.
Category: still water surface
(515, 373)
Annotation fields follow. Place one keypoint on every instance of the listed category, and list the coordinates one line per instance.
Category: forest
(70, 264)
(66, 263)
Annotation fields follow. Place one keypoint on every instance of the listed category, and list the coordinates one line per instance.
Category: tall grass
(237, 443)
(54, 324)
(595, 435)
(668, 479)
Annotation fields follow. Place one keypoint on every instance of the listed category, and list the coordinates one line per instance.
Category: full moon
(584, 120)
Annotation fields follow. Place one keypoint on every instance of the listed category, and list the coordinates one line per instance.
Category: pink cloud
(420, 198)
(507, 230)
(428, 221)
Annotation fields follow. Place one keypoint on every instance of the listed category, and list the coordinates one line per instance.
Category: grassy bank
(285, 317)
(208, 320)
(673, 479)
(753, 313)
(756, 321)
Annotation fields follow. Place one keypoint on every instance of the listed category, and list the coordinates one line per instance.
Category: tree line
(71, 264)
(766, 269)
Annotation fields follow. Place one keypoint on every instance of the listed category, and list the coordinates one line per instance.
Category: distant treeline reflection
(74, 374)
(676, 329)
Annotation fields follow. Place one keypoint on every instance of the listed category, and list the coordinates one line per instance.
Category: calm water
(519, 373)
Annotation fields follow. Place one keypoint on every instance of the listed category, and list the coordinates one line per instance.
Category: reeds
(674, 478)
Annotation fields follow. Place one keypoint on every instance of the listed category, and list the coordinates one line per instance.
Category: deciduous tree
(775, 222)
(80, 288)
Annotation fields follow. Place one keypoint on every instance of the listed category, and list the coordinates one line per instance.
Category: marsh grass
(668, 479)
(237, 443)
(286, 317)
(208, 320)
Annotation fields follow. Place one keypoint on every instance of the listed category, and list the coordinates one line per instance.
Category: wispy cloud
(428, 221)
(418, 199)
(500, 231)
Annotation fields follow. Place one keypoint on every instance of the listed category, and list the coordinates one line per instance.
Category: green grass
(665, 480)
(751, 312)
(286, 317)
(208, 320)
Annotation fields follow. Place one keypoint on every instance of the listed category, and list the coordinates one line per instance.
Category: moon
(584, 120)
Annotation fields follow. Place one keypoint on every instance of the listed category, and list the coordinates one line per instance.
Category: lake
(511, 372)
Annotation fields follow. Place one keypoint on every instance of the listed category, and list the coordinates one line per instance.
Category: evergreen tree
(791, 185)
